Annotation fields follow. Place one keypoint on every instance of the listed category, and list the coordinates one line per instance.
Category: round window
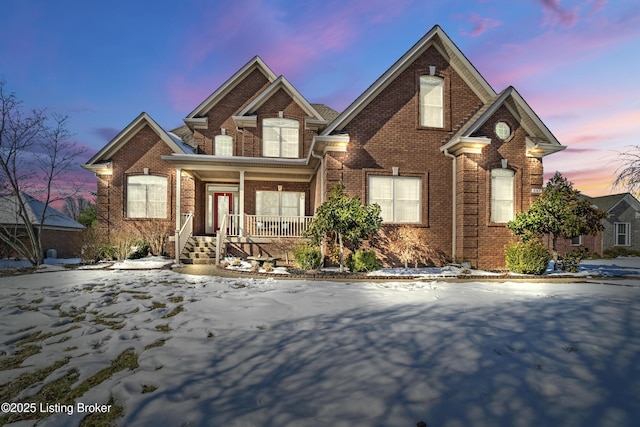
(503, 130)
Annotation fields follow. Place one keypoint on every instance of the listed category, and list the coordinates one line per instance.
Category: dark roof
(184, 133)
(607, 202)
(35, 208)
(327, 113)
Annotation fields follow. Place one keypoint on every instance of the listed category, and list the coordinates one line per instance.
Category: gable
(437, 39)
(539, 141)
(101, 161)
(247, 117)
(254, 67)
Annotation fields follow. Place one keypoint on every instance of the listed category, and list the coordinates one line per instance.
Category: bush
(617, 251)
(308, 257)
(570, 261)
(139, 249)
(531, 257)
(362, 260)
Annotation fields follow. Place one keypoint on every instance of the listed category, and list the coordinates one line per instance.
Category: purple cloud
(107, 134)
(481, 25)
(557, 15)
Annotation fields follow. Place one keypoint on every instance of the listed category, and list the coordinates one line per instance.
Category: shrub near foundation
(362, 261)
(531, 257)
(307, 256)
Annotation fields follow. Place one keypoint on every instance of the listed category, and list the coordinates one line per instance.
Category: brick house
(430, 141)
(621, 227)
(59, 232)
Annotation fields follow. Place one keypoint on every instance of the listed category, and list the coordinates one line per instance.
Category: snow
(268, 352)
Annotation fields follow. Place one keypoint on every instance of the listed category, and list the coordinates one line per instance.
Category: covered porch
(242, 200)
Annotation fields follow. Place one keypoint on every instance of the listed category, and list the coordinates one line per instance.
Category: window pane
(399, 197)
(224, 145)
(146, 196)
(431, 101)
(502, 195)
(267, 203)
(280, 137)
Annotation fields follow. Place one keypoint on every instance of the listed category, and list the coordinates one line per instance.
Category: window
(576, 241)
(502, 130)
(622, 232)
(224, 145)
(146, 196)
(431, 101)
(280, 138)
(501, 195)
(399, 197)
(279, 203)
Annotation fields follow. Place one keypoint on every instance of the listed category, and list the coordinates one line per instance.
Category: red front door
(222, 204)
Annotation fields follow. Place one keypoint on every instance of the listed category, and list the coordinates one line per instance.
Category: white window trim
(494, 201)
(579, 241)
(130, 212)
(280, 123)
(627, 233)
(395, 207)
(433, 82)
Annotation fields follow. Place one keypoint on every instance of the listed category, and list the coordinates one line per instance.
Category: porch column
(178, 213)
(241, 205)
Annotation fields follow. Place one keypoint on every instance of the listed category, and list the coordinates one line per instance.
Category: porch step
(199, 250)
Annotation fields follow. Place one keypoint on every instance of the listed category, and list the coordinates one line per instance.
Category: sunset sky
(577, 63)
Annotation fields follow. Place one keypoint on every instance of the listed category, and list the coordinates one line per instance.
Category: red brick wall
(144, 150)
(387, 133)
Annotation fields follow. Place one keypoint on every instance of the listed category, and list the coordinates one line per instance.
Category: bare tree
(36, 155)
(628, 173)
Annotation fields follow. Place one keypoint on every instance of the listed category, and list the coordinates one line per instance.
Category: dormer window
(224, 145)
(431, 101)
(280, 138)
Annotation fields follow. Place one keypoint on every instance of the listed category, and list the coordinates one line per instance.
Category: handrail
(182, 236)
(221, 237)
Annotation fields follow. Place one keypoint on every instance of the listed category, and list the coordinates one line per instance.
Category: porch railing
(276, 226)
(183, 234)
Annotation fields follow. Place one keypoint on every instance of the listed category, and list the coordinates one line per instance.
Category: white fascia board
(466, 145)
(212, 159)
(242, 122)
(281, 83)
(540, 149)
(105, 168)
(129, 132)
(402, 64)
(255, 63)
(197, 122)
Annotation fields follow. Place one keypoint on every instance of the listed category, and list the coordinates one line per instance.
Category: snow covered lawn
(214, 351)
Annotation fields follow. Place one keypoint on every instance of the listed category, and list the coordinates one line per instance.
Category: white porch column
(178, 212)
(241, 205)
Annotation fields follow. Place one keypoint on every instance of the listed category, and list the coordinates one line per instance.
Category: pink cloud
(481, 25)
(557, 15)
(291, 41)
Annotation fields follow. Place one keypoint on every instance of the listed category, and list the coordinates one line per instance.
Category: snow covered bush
(307, 256)
(530, 257)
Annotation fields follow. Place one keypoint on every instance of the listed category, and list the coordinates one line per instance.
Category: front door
(222, 204)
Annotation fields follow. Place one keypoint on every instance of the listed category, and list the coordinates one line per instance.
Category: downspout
(454, 198)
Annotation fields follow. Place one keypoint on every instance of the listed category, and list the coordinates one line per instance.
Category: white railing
(276, 226)
(183, 234)
(232, 226)
(221, 238)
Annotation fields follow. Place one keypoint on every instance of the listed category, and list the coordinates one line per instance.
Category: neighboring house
(621, 227)
(430, 141)
(59, 231)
